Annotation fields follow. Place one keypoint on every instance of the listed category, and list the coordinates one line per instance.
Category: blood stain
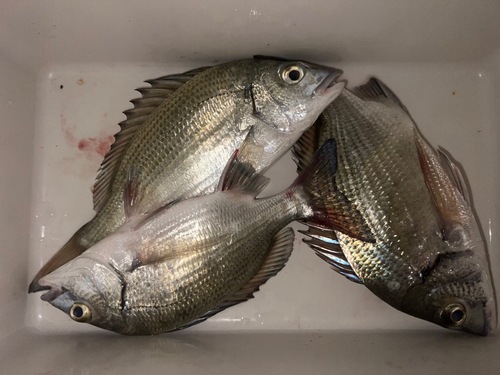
(91, 147)
(99, 145)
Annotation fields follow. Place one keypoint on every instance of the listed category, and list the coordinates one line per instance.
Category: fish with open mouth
(424, 254)
(183, 130)
(177, 266)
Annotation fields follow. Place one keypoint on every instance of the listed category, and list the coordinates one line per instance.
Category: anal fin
(327, 247)
(278, 256)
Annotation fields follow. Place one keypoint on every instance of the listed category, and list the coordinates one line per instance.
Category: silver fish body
(426, 256)
(212, 257)
(259, 106)
(183, 264)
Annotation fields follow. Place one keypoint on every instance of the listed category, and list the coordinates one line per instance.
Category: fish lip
(36, 287)
(328, 83)
(53, 290)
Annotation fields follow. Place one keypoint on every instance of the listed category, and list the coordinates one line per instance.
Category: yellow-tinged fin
(441, 188)
(329, 205)
(152, 97)
(69, 251)
(279, 254)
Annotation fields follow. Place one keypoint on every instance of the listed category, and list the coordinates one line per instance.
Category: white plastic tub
(68, 69)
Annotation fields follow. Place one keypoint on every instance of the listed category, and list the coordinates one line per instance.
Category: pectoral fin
(441, 188)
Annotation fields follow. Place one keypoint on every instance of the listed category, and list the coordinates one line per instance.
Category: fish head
(290, 95)
(456, 293)
(89, 291)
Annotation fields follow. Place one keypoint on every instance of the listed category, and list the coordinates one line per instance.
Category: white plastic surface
(68, 69)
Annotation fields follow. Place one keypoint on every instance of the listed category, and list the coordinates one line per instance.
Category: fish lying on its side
(426, 256)
(186, 127)
(180, 265)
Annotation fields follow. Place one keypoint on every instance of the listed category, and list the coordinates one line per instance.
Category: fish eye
(80, 312)
(455, 314)
(292, 74)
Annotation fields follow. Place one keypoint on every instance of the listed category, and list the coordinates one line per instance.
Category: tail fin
(330, 207)
(69, 251)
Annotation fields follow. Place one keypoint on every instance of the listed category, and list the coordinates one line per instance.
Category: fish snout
(53, 290)
(329, 85)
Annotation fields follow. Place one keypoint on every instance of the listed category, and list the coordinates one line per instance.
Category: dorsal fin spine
(152, 97)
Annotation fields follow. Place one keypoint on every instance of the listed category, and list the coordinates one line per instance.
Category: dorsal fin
(304, 149)
(455, 174)
(376, 90)
(279, 254)
(327, 247)
(241, 177)
(152, 97)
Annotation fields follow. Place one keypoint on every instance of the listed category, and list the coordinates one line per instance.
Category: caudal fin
(330, 207)
(69, 251)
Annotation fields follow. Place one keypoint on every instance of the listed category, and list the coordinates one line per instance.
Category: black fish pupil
(457, 315)
(78, 312)
(294, 75)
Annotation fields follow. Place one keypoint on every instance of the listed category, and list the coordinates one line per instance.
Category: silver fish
(184, 129)
(424, 254)
(176, 267)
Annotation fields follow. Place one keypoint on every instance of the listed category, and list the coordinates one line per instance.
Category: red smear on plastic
(99, 145)
(90, 147)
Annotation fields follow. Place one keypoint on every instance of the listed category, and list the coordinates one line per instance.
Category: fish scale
(176, 267)
(358, 136)
(201, 117)
(199, 277)
(426, 256)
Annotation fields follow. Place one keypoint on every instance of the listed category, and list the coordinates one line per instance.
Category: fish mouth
(53, 290)
(329, 83)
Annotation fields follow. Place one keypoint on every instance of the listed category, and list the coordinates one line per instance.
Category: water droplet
(245, 320)
(9, 102)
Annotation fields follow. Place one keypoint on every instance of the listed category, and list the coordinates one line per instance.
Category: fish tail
(69, 251)
(326, 205)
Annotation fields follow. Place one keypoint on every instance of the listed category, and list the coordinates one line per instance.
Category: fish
(426, 256)
(186, 126)
(175, 267)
